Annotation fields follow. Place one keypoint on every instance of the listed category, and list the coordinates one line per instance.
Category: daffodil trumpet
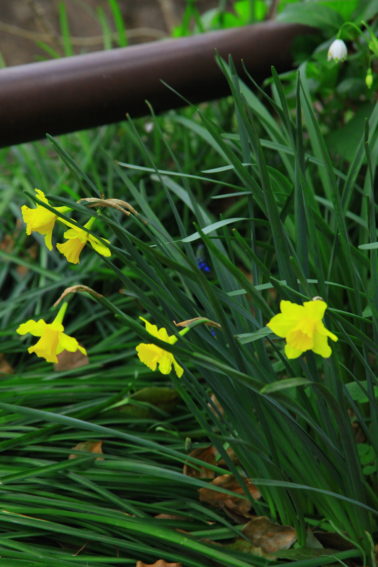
(52, 340)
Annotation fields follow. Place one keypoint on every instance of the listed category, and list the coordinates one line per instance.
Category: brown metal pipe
(73, 93)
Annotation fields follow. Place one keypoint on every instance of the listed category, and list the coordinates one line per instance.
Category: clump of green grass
(297, 227)
(241, 204)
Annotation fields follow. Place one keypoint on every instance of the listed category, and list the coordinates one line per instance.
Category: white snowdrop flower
(337, 51)
(148, 127)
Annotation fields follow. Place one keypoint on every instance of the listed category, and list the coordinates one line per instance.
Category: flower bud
(369, 78)
(337, 51)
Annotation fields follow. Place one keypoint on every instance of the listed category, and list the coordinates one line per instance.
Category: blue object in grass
(201, 262)
(202, 265)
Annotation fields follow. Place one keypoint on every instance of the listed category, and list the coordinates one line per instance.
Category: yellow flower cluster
(53, 340)
(42, 220)
(300, 325)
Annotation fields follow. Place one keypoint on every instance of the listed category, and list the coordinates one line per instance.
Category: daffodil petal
(165, 362)
(292, 352)
(322, 330)
(148, 354)
(35, 328)
(321, 345)
(179, 369)
(62, 220)
(99, 246)
(332, 336)
(69, 343)
(48, 240)
(73, 233)
(41, 196)
(39, 220)
(150, 328)
(291, 310)
(47, 345)
(152, 355)
(315, 309)
(25, 211)
(280, 325)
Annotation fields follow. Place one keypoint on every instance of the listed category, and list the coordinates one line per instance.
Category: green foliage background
(258, 185)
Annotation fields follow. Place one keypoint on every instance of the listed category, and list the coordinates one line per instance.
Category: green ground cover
(209, 217)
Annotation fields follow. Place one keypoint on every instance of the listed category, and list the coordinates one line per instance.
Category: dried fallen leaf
(208, 455)
(70, 360)
(5, 367)
(204, 320)
(333, 540)
(7, 243)
(268, 536)
(159, 563)
(94, 447)
(205, 454)
(235, 505)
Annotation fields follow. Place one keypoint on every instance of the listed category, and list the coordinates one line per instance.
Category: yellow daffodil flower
(302, 327)
(77, 238)
(40, 219)
(152, 355)
(53, 340)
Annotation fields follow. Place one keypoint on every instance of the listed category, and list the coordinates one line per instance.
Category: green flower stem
(61, 313)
